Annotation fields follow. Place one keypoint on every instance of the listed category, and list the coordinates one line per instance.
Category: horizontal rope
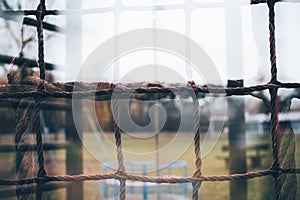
(172, 180)
(88, 90)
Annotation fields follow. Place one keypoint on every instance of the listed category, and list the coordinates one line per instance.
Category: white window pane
(172, 20)
(135, 20)
(287, 40)
(208, 1)
(210, 35)
(255, 44)
(96, 29)
(90, 4)
(151, 2)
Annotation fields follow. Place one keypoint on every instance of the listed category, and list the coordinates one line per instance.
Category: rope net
(279, 170)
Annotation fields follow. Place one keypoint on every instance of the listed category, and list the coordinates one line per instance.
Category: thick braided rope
(274, 99)
(287, 160)
(286, 155)
(284, 146)
(64, 90)
(198, 162)
(271, 5)
(39, 148)
(274, 130)
(40, 34)
(120, 158)
(275, 139)
(41, 64)
(118, 176)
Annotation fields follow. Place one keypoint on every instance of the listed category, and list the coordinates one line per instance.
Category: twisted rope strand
(274, 99)
(198, 164)
(275, 140)
(41, 64)
(118, 137)
(118, 176)
(196, 130)
(272, 42)
(65, 90)
(287, 159)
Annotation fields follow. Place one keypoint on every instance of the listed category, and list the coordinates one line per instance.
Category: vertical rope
(287, 160)
(40, 33)
(41, 64)
(198, 163)
(271, 5)
(275, 140)
(274, 99)
(120, 158)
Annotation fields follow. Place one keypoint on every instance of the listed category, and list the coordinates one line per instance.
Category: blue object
(143, 167)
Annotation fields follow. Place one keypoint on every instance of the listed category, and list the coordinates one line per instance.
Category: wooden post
(236, 118)
(74, 157)
(237, 143)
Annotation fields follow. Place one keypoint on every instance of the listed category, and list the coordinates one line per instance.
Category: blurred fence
(44, 90)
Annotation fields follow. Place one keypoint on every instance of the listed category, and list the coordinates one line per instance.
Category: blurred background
(235, 37)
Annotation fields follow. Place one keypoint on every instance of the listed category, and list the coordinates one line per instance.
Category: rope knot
(271, 3)
(41, 172)
(40, 11)
(41, 86)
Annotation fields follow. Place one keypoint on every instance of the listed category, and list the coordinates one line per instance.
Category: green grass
(258, 188)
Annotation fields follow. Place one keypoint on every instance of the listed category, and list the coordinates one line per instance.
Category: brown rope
(118, 176)
(120, 158)
(65, 90)
(287, 160)
(196, 130)
(87, 90)
(274, 100)
(41, 64)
